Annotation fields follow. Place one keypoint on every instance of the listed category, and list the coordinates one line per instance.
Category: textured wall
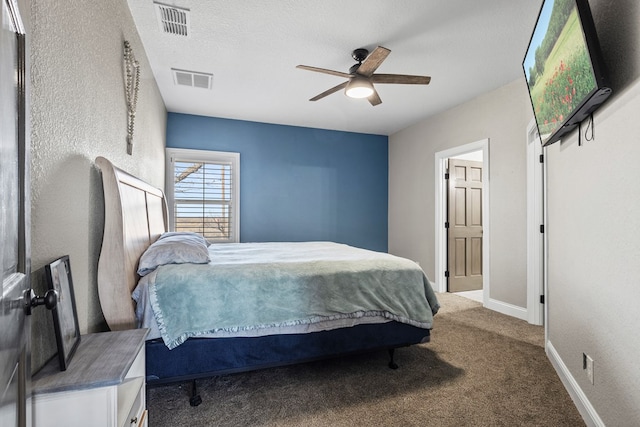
(502, 117)
(78, 113)
(299, 183)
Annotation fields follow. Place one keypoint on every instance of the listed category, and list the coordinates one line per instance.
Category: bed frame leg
(195, 398)
(392, 364)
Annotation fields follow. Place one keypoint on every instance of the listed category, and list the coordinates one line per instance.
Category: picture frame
(65, 316)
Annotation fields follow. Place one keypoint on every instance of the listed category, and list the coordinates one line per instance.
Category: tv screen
(563, 68)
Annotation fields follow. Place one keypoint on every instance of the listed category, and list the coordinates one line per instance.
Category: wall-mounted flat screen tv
(563, 68)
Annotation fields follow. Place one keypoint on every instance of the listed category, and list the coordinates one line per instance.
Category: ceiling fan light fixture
(359, 88)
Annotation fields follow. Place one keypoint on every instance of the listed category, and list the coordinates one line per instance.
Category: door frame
(536, 251)
(441, 214)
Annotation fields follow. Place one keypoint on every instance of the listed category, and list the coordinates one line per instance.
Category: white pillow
(174, 248)
(188, 234)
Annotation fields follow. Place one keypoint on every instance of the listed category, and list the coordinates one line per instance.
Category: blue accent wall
(296, 183)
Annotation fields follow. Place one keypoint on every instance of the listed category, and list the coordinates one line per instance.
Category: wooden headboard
(135, 214)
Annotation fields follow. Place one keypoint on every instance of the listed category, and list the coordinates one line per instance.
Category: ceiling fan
(361, 76)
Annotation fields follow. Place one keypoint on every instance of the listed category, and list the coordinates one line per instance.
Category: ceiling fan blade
(400, 79)
(373, 61)
(329, 91)
(324, 71)
(374, 98)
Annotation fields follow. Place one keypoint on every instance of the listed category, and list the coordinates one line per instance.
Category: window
(203, 193)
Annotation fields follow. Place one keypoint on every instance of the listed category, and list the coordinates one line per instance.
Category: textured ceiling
(252, 47)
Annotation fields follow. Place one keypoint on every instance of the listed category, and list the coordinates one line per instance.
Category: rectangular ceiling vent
(173, 20)
(192, 78)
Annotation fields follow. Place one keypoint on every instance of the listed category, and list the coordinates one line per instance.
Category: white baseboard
(506, 308)
(588, 412)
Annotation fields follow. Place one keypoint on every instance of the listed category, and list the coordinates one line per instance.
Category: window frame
(205, 156)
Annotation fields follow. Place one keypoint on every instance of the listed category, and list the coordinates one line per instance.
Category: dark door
(14, 223)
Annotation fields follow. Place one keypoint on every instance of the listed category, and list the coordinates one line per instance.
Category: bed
(285, 283)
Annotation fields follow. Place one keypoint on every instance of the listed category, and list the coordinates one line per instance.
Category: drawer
(131, 401)
(138, 420)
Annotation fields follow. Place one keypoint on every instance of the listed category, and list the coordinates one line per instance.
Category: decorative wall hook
(132, 81)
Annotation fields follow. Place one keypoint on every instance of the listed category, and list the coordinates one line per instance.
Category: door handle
(49, 300)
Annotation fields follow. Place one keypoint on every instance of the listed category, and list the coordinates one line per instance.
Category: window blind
(204, 197)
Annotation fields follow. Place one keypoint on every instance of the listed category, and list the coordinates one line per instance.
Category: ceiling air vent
(192, 78)
(173, 20)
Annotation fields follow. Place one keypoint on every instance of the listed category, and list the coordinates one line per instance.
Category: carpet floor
(481, 368)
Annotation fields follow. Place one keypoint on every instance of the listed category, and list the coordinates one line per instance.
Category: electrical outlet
(587, 364)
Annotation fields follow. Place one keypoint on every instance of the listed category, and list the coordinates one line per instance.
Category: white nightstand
(104, 384)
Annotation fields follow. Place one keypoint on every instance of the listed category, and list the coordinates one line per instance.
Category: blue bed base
(208, 357)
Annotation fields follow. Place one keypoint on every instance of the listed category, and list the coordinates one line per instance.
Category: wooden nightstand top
(101, 359)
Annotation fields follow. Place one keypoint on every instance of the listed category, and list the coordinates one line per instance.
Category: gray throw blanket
(287, 285)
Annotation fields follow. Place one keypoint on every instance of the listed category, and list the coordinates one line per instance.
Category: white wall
(593, 220)
(501, 116)
(79, 112)
(594, 233)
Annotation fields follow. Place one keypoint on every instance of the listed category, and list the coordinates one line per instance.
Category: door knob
(49, 300)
